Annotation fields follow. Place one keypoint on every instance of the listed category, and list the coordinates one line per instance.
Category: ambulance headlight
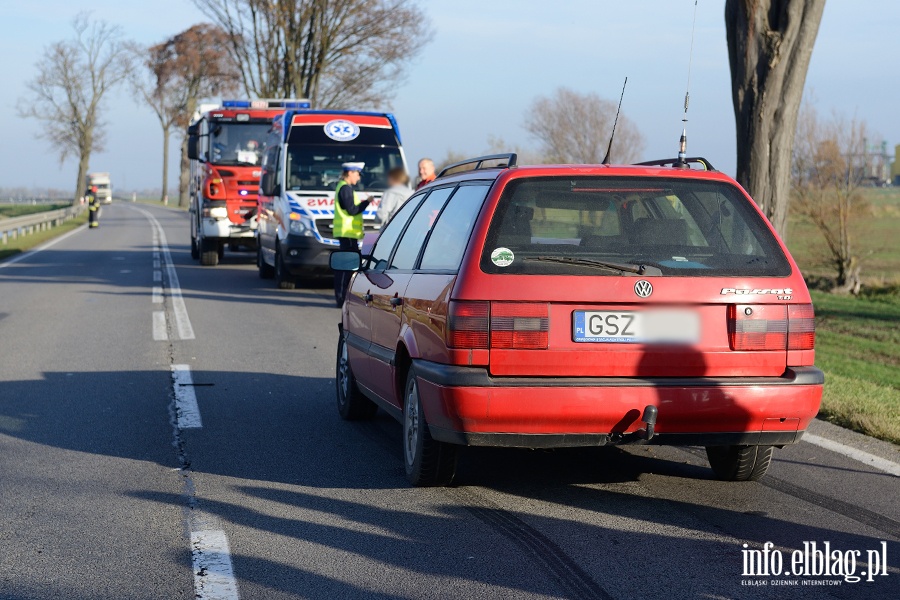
(300, 225)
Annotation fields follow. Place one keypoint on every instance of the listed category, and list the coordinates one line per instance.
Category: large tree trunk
(165, 173)
(769, 46)
(84, 160)
(184, 178)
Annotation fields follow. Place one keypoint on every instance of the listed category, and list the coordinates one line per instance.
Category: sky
(483, 67)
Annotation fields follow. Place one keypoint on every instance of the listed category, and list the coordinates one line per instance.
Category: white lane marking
(157, 275)
(213, 571)
(182, 320)
(186, 410)
(155, 263)
(34, 251)
(159, 326)
(876, 462)
(157, 294)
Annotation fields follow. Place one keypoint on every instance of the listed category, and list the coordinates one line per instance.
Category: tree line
(354, 53)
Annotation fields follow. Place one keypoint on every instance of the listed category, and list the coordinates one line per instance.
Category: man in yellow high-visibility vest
(348, 221)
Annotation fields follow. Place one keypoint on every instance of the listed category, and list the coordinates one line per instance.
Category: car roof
(524, 171)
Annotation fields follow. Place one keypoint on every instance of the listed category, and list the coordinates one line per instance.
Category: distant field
(876, 235)
(20, 210)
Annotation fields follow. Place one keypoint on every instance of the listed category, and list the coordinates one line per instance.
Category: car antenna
(613, 134)
(681, 163)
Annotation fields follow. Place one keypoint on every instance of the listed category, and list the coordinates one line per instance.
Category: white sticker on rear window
(502, 257)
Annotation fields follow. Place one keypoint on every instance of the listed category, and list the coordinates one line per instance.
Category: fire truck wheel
(220, 250)
(282, 279)
(266, 271)
(195, 249)
(209, 252)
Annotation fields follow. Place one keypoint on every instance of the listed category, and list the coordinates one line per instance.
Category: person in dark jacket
(348, 221)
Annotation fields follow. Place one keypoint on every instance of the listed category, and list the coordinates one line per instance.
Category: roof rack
(502, 161)
(676, 162)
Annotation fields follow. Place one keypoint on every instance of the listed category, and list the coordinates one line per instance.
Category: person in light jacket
(395, 196)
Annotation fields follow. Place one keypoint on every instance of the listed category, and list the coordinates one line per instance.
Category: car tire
(266, 271)
(428, 462)
(739, 463)
(209, 252)
(195, 248)
(351, 404)
(282, 279)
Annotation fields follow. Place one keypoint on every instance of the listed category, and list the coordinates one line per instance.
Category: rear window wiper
(612, 266)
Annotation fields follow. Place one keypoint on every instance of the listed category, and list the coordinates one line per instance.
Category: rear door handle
(395, 301)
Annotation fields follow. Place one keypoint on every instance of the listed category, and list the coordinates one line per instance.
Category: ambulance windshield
(318, 167)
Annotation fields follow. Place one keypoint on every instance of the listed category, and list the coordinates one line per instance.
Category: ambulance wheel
(739, 463)
(282, 279)
(209, 252)
(266, 271)
(195, 249)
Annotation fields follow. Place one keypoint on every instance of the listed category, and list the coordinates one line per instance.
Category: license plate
(636, 327)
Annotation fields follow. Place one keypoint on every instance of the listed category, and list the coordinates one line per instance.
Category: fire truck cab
(300, 170)
(226, 144)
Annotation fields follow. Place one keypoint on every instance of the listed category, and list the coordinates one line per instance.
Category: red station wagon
(580, 305)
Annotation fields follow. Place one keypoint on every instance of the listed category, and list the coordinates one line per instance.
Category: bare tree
(769, 46)
(575, 128)
(347, 53)
(66, 94)
(828, 169)
(178, 72)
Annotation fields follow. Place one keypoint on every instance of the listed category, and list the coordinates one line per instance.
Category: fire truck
(226, 144)
(300, 170)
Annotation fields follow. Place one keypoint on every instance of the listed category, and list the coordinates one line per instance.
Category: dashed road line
(157, 275)
(876, 462)
(213, 571)
(187, 413)
(160, 332)
(157, 294)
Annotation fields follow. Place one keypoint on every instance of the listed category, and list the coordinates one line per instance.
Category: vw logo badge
(341, 131)
(643, 288)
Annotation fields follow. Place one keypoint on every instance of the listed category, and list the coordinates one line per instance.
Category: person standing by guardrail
(93, 208)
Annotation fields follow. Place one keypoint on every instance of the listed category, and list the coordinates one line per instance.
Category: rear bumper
(465, 405)
(304, 255)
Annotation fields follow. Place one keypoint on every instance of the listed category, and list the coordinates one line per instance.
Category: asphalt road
(108, 489)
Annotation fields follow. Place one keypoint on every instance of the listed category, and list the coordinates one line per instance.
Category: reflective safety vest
(346, 225)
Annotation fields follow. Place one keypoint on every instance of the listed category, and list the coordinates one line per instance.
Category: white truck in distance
(103, 185)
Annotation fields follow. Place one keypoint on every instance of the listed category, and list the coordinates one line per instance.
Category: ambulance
(226, 144)
(300, 169)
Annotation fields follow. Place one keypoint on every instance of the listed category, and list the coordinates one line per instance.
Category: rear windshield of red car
(673, 227)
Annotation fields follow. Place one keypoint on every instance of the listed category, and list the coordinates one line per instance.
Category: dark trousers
(342, 279)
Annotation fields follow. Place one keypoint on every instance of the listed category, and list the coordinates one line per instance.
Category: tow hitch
(649, 418)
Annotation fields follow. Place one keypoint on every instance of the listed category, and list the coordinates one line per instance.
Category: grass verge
(858, 347)
(27, 242)
(20, 210)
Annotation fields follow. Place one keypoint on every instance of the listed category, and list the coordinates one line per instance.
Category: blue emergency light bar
(266, 103)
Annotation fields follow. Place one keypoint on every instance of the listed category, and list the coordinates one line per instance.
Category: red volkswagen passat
(572, 305)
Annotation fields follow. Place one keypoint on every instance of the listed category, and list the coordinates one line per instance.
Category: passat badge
(643, 288)
(341, 131)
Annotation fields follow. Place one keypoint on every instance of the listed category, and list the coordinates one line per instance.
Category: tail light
(801, 327)
(468, 324)
(768, 327)
(511, 325)
(519, 325)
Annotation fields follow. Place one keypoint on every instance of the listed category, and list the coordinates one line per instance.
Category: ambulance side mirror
(268, 185)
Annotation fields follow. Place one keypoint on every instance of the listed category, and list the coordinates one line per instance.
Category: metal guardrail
(16, 227)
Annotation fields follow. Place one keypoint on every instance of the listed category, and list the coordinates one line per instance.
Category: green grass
(27, 242)
(858, 347)
(20, 210)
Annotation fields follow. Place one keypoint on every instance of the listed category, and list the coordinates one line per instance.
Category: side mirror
(193, 149)
(345, 260)
(268, 185)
